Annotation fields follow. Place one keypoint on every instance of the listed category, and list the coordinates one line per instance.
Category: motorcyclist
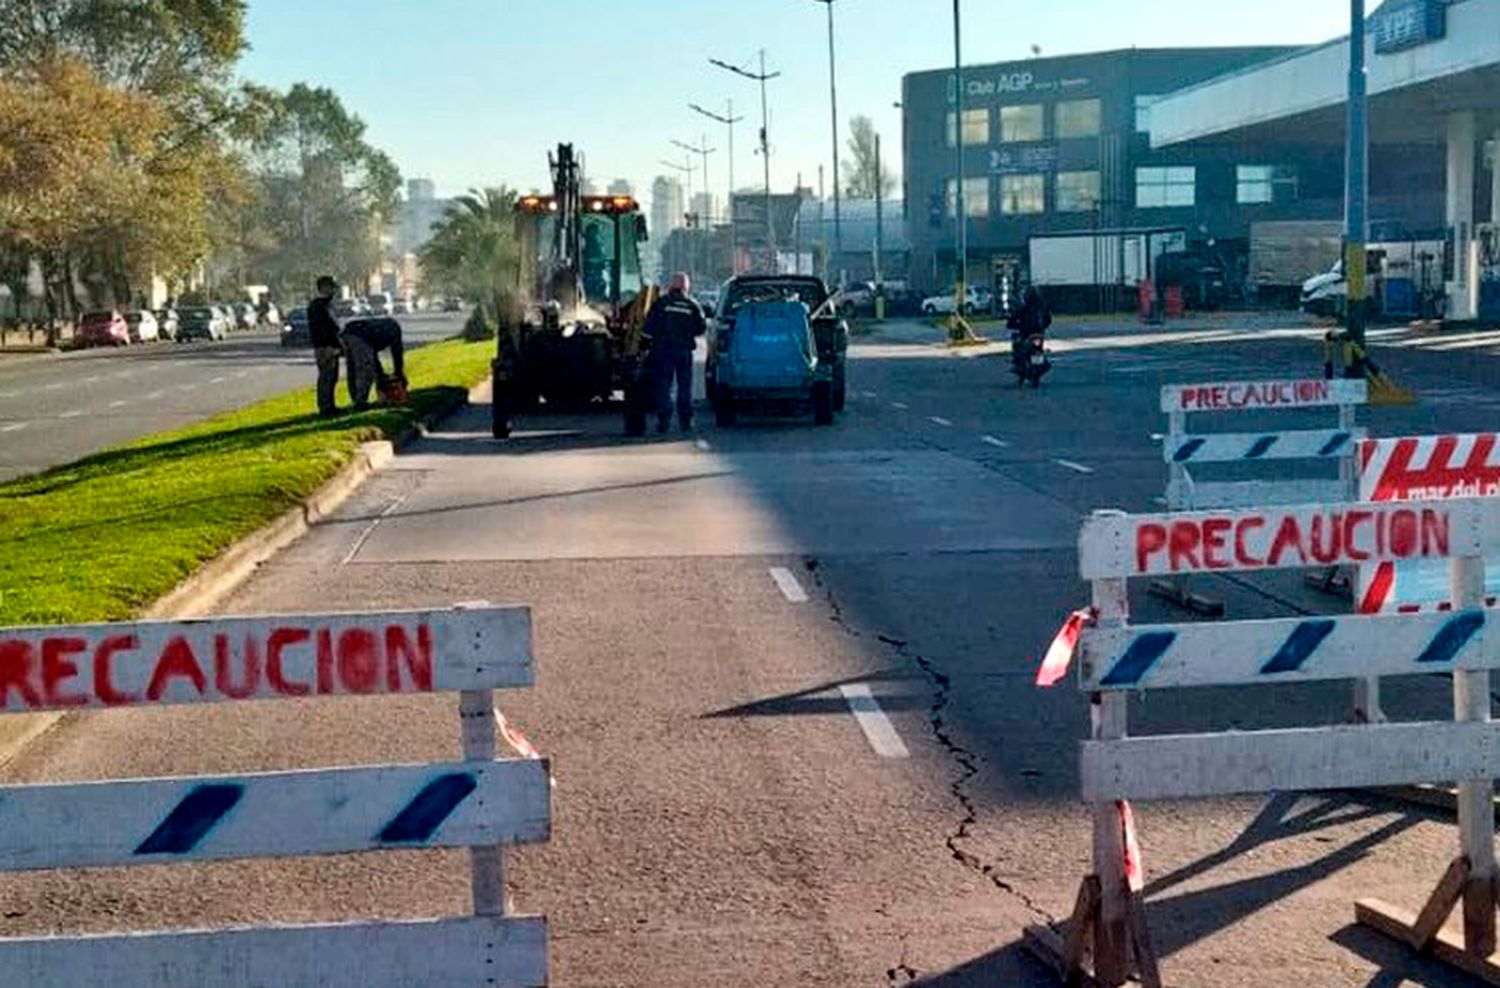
(1031, 319)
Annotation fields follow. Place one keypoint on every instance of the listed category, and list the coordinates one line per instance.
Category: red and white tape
(1060, 653)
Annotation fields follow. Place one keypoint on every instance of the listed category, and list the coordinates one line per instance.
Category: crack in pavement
(967, 761)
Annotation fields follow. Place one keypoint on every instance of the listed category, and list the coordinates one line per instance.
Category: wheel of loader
(840, 387)
(822, 400)
(500, 411)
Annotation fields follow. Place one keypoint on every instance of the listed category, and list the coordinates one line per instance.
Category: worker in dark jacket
(365, 340)
(327, 348)
(673, 327)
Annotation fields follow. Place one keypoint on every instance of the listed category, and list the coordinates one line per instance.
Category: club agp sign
(1115, 546)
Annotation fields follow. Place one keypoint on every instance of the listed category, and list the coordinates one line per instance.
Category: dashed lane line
(869, 394)
(790, 588)
(900, 406)
(14, 427)
(153, 396)
(939, 420)
(992, 441)
(879, 730)
(72, 414)
(1076, 467)
(118, 403)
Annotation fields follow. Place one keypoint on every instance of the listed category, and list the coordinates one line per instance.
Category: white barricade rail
(1116, 658)
(1184, 451)
(479, 803)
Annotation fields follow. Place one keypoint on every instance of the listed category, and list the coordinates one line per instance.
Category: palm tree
(473, 250)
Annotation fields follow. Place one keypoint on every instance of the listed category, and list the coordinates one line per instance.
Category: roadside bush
(479, 326)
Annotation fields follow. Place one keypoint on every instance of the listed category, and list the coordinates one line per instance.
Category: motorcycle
(1029, 360)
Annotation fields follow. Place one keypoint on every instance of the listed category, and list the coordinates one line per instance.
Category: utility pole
(761, 77)
(879, 234)
(686, 170)
(1356, 194)
(960, 211)
(822, 223)
(833, 99)
(705, 219)
(729, 120)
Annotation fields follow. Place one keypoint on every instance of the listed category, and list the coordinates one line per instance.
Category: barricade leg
(1108, 925)
(476, 711)
(1471, 878)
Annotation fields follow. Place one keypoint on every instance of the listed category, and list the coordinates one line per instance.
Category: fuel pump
(1487, 243)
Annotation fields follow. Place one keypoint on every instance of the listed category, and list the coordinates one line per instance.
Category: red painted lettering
(177, 662)
(1215, 531)
(359, 660)
(17, 662)
(57, 669)
(104, 655)
(280, 640)
(1241, 554)
(1182, 545)
(1327, 538)
(249, 683)
(1352, 521)
(1216, 396)
(1434, 533)
(1149, 540)
(1288, 535)
(418, 659)
(326, 684)
(1404, 534)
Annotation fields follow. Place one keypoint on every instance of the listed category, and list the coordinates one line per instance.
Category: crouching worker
(364, 340)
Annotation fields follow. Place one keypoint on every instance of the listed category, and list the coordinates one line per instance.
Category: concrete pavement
(55, 410)
(785, 679)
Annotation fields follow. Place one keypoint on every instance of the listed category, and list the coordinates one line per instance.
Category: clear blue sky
(474, 92)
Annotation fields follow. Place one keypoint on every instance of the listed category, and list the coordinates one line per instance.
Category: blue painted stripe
(1261, 447)
(1188, 450)
(1446, 644)
(420, 819)
(1299, 645)
(1337, 442)
(192, 819)
(1139, 658)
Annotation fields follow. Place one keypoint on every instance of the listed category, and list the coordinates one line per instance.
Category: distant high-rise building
(587, 187)
(621, 187)
(667, 206)
(420, 190)
(705, 207)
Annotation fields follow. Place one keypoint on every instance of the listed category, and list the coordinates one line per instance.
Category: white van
(381, 304)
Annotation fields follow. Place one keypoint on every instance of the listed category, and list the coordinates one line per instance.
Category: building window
(976, 127)
(1265, 183)
(1156, 187)
(976, 198)
(1023, 194)
(1021, 123)
(1077, 192)
(1143, 106)
(1076, 118)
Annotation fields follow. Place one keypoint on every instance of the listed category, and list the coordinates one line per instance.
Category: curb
(220, 576)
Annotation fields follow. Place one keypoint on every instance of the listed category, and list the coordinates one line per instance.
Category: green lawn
(100, 539)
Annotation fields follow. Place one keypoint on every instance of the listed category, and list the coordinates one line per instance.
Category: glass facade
(1170, 186)
(1077, 192)
(1265, 184)
(1023, 194)
(1076, 118)
(976, 197)
(976, 126)
(1022, 123)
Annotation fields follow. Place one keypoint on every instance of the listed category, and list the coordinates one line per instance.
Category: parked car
(830, 332)
(977, 299)
(204, 322)
(105, 327)
(245, 316)
(296, 332)
(344, 308)
(361, 306)
(453, 305)
(381, 305)
(168, 323)
(401, 307)
(142, 326)
(270, 316)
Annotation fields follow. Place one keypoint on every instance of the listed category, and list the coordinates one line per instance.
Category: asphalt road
(712, 611)
(56, 409)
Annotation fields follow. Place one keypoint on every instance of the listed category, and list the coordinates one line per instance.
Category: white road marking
(14, 427)
(120, 403)
(900, 406)
(54, 386)
(790, 588)
(364, 536)
(879, 730)
(91, 379)
(868, 394)
(939, 420)
(1079, 467)
(73, 414)
(217, 380)
(187, 387)
(992, 441)
(703, 445)
(153, 396)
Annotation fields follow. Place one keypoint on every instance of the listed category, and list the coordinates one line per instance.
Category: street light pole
(1356, 204)
(960, 214)
(729, 120)
(761, 77)
(686, 170)
(833, 98)
(705, 223)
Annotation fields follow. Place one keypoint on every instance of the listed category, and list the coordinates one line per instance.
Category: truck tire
(500, 410)
(724, 407)
(635, 420)
(822, 401)
(840, 387)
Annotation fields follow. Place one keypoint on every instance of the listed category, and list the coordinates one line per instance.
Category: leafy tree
(860, 172)
(473, 249)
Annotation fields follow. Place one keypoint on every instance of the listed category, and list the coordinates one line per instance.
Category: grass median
(99, 539)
